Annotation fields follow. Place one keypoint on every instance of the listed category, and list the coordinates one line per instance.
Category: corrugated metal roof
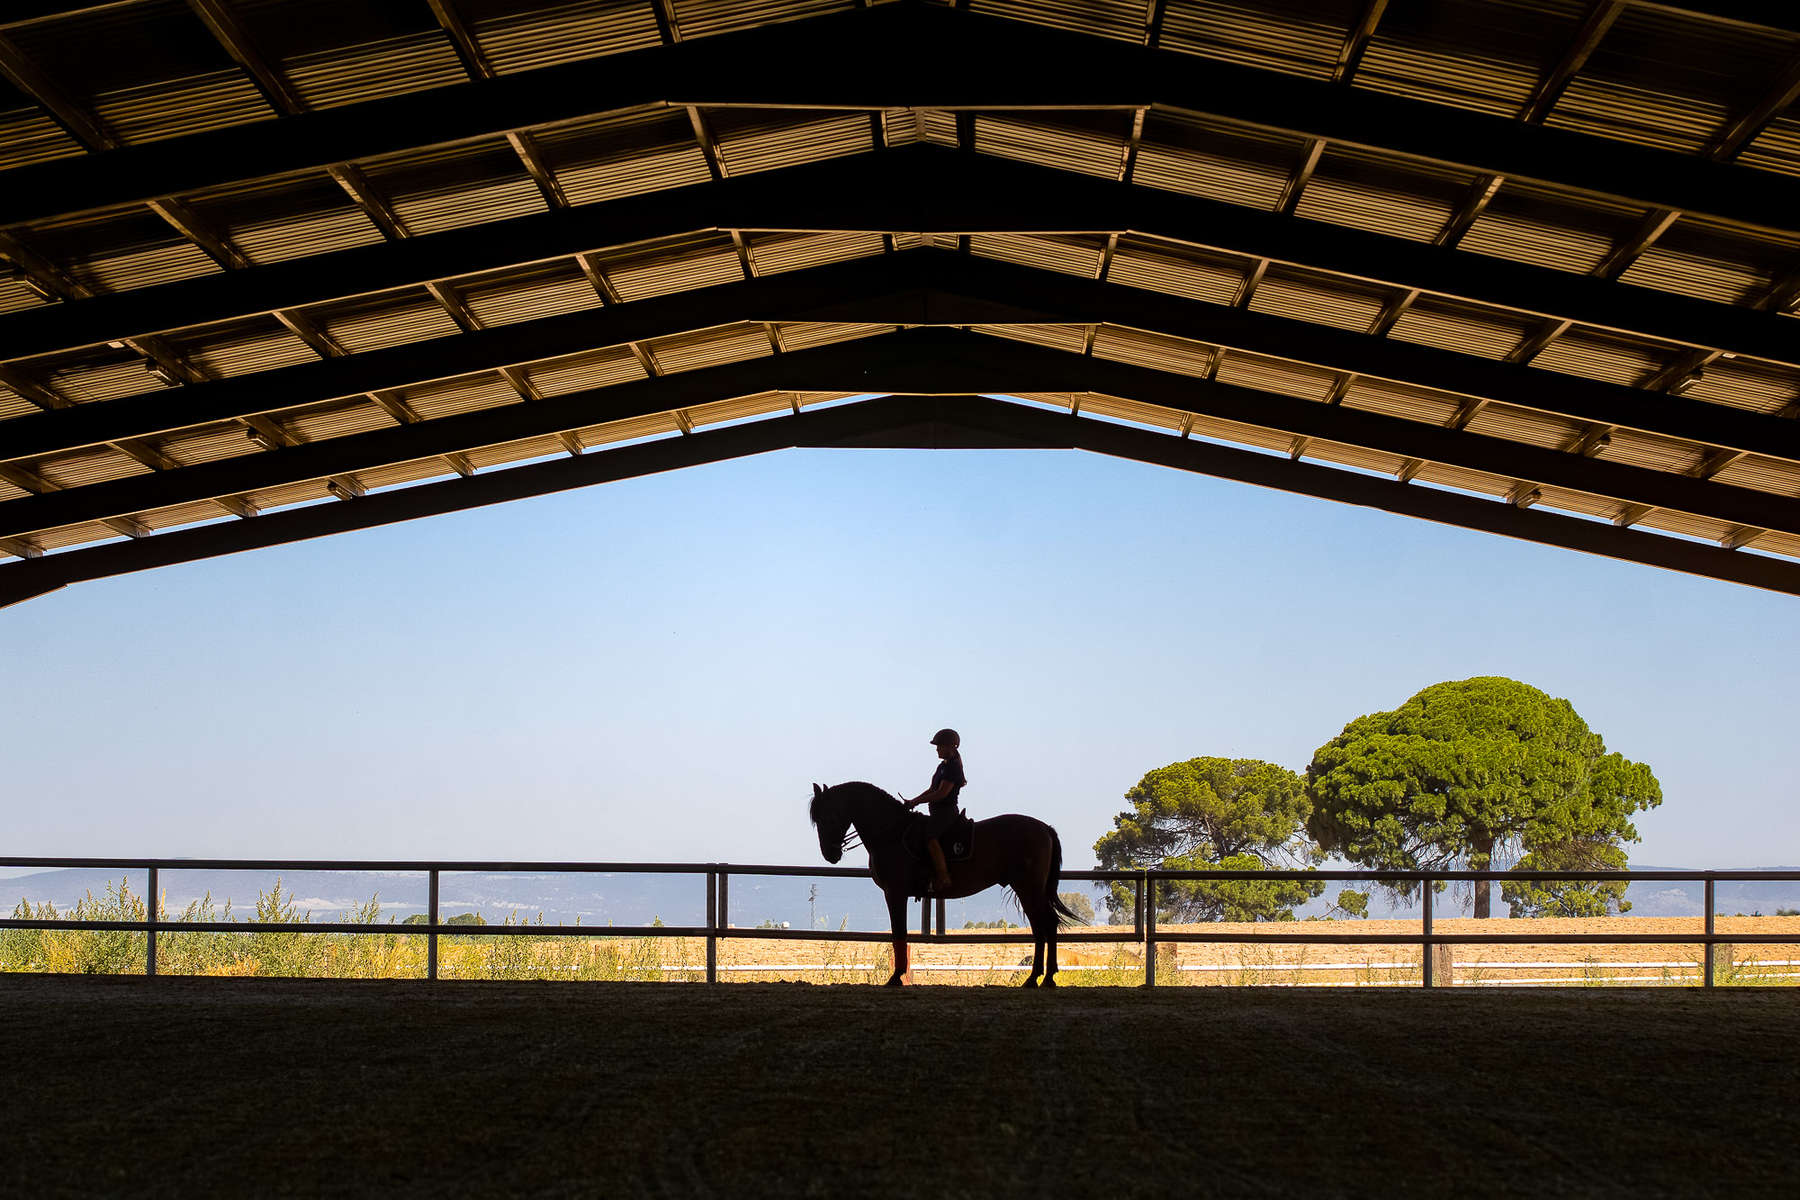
(579, 372)
(1275, 375)
(152, 71)
(1153, 350)
(1483, 333)
(1202, 158)
(1322, 301)
(389, 319)
(30, 136)
(750, 142)
(1092, 146)
(1355, 188)
(710, 348)
(773, 253)
(1481, 55)
(676, 265)
(1299, 37)
(1665, 80)
(1178, 270)
(1070, 255)
(516, 36)
(338, 418)
(544, 290)
(242, 348)
(98, 464)
(1067, 338)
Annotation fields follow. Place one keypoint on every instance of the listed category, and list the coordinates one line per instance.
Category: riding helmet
(946, 735)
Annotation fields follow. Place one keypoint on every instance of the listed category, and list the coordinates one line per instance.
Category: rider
(946, 783)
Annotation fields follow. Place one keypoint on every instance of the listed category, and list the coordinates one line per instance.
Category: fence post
(1149, 931)
(1710, 946)
(724, 897)
(150, 934)
(431, 924)
(1426, 964)
(1137, 905)
(940, 917)
(712, 925)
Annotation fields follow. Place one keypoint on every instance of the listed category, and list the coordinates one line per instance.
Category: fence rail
(717, 925)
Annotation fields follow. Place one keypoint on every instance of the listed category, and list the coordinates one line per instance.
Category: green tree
(1214, 814)
(1481, 774)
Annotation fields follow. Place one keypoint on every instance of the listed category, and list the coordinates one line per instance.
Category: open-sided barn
(273, 270)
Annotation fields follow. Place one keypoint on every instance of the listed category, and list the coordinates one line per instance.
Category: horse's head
(832, 819)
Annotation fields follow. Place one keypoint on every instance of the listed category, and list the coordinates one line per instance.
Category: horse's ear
(817, 791)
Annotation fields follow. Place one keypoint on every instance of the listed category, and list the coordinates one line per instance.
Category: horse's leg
(897, 920)
(1050, 927)
(1032, 915)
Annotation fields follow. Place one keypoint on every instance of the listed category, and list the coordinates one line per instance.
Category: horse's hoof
(1032, 982)
(1049, 981)
(894, 981)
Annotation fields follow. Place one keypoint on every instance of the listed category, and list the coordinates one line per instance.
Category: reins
(853, 834)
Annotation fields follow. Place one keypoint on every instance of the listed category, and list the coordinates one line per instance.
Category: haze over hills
(616, 898)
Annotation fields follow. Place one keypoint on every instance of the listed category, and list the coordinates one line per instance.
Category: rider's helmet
(946, 735)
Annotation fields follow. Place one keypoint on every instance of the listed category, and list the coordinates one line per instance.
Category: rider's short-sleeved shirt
(951, 771)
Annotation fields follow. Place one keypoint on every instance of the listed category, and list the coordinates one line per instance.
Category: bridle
(853, 838)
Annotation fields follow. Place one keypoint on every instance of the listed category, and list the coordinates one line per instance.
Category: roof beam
(883, 421)
(223, 24)
(917, 190)
(1652, 226)
(1782, 94)
(18, 69)
(1351, 52)
(924, 361)
(916, 287)
(1600, 17)
(978, 62)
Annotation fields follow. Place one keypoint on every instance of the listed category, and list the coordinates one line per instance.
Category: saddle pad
(957, 842)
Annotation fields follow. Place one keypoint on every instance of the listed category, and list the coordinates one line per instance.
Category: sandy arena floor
(239, 1087)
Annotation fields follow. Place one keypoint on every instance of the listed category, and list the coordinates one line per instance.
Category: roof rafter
(979, 62)
(917, 189)
(909, 420)
(914, 287)
(1594, 26)
(925, 361)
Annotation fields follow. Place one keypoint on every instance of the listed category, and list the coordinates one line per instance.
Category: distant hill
(635, 899)
(587, 898)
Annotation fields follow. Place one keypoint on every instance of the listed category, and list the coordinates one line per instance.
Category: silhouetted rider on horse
(946, 784)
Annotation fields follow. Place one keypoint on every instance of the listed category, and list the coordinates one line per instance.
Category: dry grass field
(1221, 963)
(274, 1088)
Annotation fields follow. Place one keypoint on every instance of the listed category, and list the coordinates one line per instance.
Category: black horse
(1018, 852)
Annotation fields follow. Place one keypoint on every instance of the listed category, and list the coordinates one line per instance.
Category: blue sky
(660, 668)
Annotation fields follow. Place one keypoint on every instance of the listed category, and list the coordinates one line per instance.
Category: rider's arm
(936, 791)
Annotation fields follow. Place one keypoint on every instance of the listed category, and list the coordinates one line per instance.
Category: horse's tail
(1064, 914)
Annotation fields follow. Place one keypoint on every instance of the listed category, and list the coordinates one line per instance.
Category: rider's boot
(942, 883)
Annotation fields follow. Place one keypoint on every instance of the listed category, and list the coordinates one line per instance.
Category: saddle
(957, 841)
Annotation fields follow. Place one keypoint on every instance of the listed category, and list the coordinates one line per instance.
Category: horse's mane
(849, 791)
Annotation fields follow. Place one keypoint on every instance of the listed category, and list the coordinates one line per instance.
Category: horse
(1014, 851)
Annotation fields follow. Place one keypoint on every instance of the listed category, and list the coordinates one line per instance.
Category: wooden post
(712, 924)
(431, 924)
(940, 916)
(150, 934)
(1425, 958)
(1711, 947)
(1149, 932)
